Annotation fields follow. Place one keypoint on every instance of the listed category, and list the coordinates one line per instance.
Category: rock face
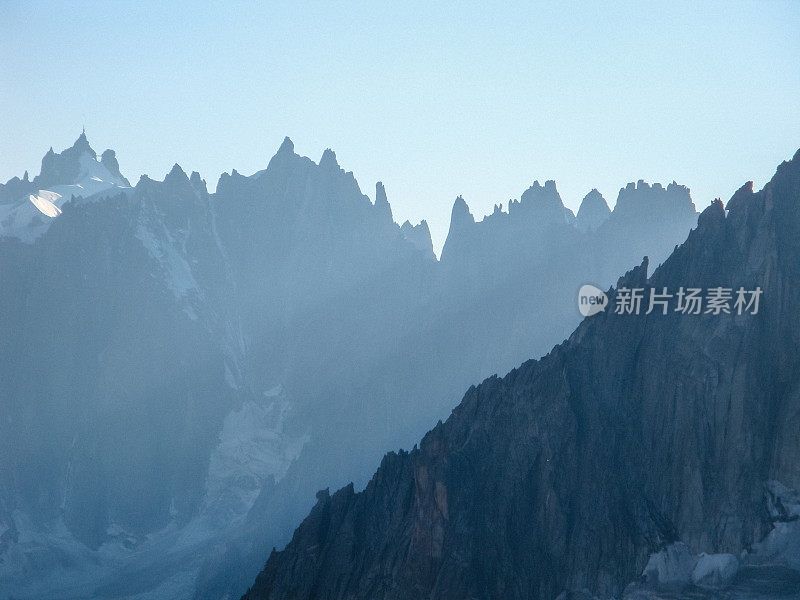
(569, 472)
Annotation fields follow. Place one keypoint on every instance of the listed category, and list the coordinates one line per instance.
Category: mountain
(74, 172)
(593, 211)
(654, 445)
(184, 369)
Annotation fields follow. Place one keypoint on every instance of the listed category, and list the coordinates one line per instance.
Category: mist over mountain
(182, 371)
(648, 456)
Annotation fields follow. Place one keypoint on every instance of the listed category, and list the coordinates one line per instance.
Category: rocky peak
(460, 215)
(328, 161)
(287, 146)
(176, 175)
(81, 146)
(592, 212)
(109, 160)
(419, 236)
(66, 167)
(541, 205)
(654, 200)
(381, 202)
(461, 222)
(283, 157)
(198, 183)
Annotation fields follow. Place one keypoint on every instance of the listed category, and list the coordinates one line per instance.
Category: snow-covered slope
(27, 215)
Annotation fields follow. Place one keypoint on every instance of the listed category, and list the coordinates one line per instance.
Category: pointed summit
(593, 211)
(287, 146)
(177, 174)
(284, 156)
(461, 222)
(328, 160)
(82, 146)
(460, 214)
(381, 202)
(65, 167)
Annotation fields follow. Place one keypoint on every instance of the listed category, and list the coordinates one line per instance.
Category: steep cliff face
(567, 473)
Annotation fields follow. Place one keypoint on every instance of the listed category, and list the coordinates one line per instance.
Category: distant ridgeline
(649, 456)
(181, 371)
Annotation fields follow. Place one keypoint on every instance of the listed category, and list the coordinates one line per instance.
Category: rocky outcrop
(569, 472)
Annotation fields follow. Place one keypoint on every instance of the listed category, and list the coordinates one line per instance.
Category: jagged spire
(419, 236)
(176, 174)
(283, 156)
(109, 160)
(81, 146)
(542, 204)
(198, 183)
(287, 146)
(381, 202)
(461, 219)
(328, 160)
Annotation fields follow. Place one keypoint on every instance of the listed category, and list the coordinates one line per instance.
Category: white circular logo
(591, 300)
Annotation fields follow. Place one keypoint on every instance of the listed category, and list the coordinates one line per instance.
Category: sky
(435, 100)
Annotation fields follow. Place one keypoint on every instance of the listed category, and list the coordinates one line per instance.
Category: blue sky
(433, 100)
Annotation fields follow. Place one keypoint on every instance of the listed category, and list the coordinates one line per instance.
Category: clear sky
(433, 100)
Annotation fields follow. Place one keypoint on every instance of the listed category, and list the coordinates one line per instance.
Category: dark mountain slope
(568, 472)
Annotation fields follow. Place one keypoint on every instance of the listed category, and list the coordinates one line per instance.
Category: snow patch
(22, 218)
(161, 245)
(45, 202)
(253, 449)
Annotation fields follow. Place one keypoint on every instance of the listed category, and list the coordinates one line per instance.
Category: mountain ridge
(563, 476)
(288, 299)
